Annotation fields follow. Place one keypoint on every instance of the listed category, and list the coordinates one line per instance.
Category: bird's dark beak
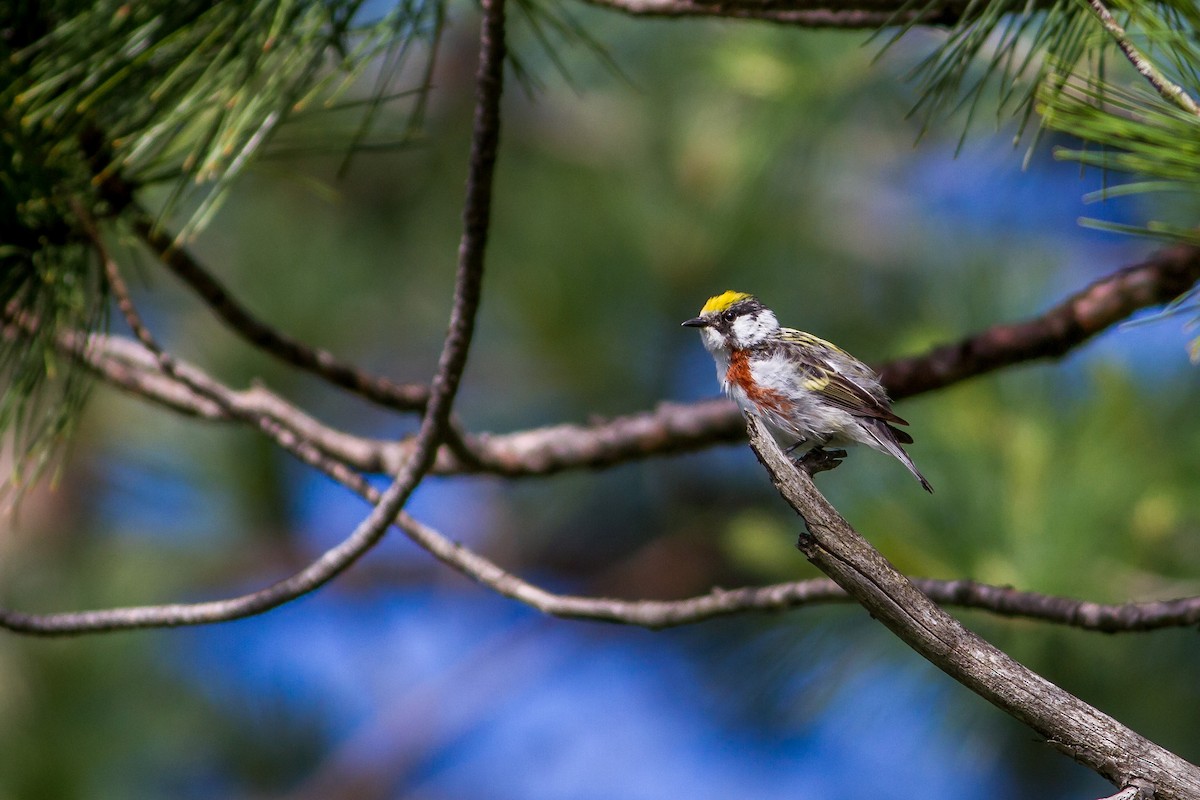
(698, 322)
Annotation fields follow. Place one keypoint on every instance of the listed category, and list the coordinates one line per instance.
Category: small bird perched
(809, 392)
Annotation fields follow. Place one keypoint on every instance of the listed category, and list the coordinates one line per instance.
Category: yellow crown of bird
(723, 301)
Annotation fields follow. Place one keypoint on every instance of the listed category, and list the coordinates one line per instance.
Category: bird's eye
(729, 316)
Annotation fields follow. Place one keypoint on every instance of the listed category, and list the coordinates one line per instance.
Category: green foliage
(1139, 134)
(47, 285)
(1149, 132)
(1002, 47)
(189, 92)
(100, 100)
(1137, 130)
(1057, 59)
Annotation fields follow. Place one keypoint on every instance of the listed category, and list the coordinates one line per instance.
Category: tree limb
(1162, 277)
(859, 14)
(272, 341)
(1069, 725)
(1170, 91)
(1128, 793)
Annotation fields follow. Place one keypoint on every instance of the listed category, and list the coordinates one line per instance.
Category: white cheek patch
(751, 329)
(713, 341)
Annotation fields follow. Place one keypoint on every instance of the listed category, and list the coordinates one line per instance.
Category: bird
(809, 393)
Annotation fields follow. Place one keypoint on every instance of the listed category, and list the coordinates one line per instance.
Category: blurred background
(705, 156)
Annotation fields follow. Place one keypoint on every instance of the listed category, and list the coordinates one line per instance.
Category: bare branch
(280, 345)
(1106, 618)
(131, 366)
(1069, 725)
(109, 355)
(868, 14)
(1171, 92)
(1159, 279)
(1001, 600)
(671, 428)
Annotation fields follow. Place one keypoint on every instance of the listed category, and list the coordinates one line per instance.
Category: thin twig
(1168, 89)
(1068, 724)
(187, 268)
(800, 13)
(316, 574)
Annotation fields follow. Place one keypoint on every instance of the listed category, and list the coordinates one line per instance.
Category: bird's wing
(814, 356)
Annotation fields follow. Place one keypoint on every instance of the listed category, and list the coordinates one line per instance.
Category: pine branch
(1170, 91)
(190, 93)
(468, 281)
(1067, 723)
(857, 14)
(1149, 136)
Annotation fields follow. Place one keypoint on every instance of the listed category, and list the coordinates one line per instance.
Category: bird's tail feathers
(889, 439)
(901, 436)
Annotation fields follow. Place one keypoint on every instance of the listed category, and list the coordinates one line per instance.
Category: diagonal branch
(468, 281)
(1068, 724)
(858, 14)
(1163, 276)
(657, 614)
(1170, 91)
(274, 342)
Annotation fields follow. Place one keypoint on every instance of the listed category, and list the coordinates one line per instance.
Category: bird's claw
(820, 460)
